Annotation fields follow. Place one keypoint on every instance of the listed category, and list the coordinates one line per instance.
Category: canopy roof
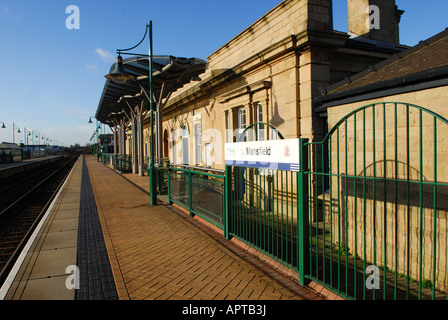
(169, 74)
(9, 145)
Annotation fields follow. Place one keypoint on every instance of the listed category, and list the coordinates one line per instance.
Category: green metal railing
(371, 197)
(264, 211)
(161, 170)
(123, 163)
(199, 190)
(107, 158)
(380, 202)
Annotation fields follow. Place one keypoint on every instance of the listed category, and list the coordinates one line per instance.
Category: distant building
(10, 152)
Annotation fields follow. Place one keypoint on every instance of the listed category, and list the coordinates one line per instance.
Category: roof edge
(417, 81)
(395, 57)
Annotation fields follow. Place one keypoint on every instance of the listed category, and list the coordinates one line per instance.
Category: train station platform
(13, 168)
(5, 166)
(101, 222)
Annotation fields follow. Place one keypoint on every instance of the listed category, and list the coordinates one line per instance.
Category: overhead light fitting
(119, 74)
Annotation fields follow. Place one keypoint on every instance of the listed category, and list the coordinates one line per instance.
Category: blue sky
(52, 77)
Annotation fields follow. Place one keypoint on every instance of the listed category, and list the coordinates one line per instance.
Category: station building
(369, 107)
(269, 73)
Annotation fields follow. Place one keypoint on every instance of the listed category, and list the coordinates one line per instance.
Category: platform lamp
(14, 132)
(119, 75)
(3, 125)
(95, 134)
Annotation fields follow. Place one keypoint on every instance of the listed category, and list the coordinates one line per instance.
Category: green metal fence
(107, 158)
(161, 170)
(264, 211)
(123, 163)
(378, 204)
(365, 217)
(198, 190)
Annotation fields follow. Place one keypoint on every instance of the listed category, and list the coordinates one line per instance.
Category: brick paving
(157, 253)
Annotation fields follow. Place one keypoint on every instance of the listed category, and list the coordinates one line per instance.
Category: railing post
(227, 204)
(168, 184)
(190, 193)
(303, 214)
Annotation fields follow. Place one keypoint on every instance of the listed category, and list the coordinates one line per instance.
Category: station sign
(270, 154)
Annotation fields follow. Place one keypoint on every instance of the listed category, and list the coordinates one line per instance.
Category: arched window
(173, 146)
(165, 143)
(185, 146)
(241, 120)
(197, 143)
(259, 118)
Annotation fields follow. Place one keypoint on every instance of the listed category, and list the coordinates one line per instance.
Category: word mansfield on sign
(237, 309)
(258, 151)
(270, 154)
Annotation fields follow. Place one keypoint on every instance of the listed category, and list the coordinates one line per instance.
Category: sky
(52, 77)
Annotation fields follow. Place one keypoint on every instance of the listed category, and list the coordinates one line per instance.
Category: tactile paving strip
(96, 281)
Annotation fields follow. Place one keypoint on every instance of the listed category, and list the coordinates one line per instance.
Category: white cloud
(78, 112)
(91, 67)
(104, 54)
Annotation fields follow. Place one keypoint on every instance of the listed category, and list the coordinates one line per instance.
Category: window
(229, 133)
(185, 146)
(173, 146)
(208, 155)
(146, 145)
(241, 120)
(197, 143)
(259, 118)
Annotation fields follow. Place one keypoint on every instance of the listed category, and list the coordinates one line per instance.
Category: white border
(281, 154)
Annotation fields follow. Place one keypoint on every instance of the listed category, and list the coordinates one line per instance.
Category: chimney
(376, 20)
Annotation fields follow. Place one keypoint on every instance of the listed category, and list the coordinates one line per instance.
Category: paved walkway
(157, 253)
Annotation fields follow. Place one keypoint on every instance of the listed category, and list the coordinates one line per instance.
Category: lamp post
(152, 181)
(25, 137)
(14, 133)
(3, 125)
(119, 75)
(96, 149)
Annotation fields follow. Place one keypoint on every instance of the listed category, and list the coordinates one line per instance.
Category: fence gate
(378, 201)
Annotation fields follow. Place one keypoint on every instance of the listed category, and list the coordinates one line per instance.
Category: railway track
(22, 206)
